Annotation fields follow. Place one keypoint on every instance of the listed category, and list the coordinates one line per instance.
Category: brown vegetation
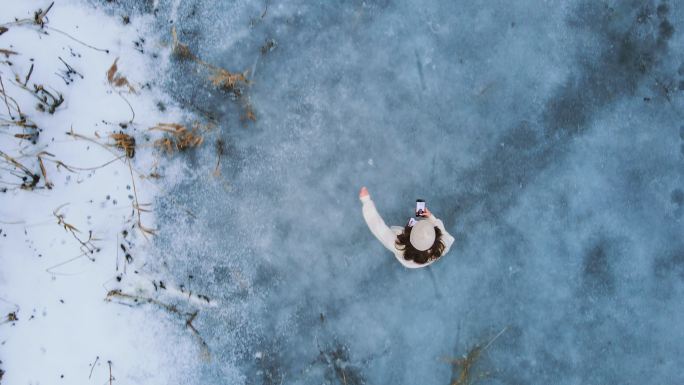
(29, 178)
(233, 82)
(463, 372)
(179, 137)
(116, 79)
(124, 142)
(7, 52)
(87, 246)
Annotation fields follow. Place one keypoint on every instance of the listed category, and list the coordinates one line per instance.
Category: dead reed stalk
(7, 52)
(462, 368)
(87, 246)
(138, 207)
(39, 19)
(29, 178)
(135, 300)
(47, 101)
(48, 184)
(219, 153)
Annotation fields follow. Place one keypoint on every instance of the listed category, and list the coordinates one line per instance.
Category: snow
(65, 330)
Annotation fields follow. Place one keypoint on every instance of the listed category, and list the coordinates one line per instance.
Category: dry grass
(181, 50)
(29, 179)
(39, 15)
(139, 207)
(179, 138)
(16, 116)
(226, 80)
(10, 318)
(464, 367)
(87, 246)
(7, 52)
(233, 82)
(124, 142)
(116, 79)
(463, 372)
(38, 19)
(43, 171)
(189, 317)
(63, 223)
(47, 101)
(249, 114)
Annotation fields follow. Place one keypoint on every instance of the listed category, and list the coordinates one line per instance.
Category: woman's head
(411, 252)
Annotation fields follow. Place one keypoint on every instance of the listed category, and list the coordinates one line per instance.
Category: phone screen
(420, 208)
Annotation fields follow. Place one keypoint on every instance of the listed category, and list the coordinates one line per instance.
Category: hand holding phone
(420, 207)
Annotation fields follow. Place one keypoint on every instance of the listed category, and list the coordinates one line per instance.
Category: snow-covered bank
(78, 87)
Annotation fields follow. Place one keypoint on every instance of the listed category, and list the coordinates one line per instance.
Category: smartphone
(420, 207)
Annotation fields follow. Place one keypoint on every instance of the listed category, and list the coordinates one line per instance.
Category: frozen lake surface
(546, 135)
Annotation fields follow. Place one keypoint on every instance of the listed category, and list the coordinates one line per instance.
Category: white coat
(387, 236)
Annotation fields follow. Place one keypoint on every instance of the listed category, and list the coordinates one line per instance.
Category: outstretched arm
(375, 223)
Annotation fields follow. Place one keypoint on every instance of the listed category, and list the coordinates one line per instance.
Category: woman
(417, 244)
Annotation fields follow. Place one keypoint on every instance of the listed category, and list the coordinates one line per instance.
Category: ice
(544, 134)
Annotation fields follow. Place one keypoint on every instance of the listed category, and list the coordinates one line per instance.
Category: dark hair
(417, 256)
